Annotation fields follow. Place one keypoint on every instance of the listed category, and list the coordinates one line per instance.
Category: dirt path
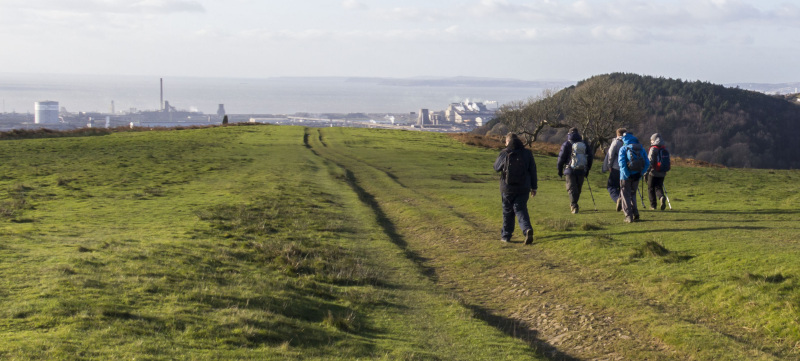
(530, 294)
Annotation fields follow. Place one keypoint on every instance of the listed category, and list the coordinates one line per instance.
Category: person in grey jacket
(574, 178)
(654, 178)
(611, 165)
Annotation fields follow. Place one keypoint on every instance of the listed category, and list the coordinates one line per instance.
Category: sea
(281, 95)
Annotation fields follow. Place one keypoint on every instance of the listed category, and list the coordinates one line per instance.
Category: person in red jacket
(659, 161)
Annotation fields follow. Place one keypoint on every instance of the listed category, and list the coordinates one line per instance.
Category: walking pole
(666, 196)
(641, 195)
(592, 194)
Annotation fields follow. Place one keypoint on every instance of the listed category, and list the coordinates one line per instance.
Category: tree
(529, 118)
(599, 106)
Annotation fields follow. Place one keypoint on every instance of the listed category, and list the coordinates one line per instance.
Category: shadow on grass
(297, 320)
(521, 331)
(667, 230)
(744, 211)
(383, 220)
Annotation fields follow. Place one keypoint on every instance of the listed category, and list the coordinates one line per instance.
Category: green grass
(226, 243)
(290, 243)
(695, 298)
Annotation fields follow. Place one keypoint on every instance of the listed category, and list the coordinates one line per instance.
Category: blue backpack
(635, 158)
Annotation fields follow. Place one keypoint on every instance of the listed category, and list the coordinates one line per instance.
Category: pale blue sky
(722, 41)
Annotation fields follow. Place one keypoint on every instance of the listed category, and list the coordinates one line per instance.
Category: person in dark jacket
(573, 166)
(654, 178)
(629, 178)
(515, 195)
(611, 165)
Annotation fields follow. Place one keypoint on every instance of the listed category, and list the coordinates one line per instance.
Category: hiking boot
(504, 239)
(635, 217)
(628, 219)
(663, 202)
(574, 208)
(652, 208)
(619, 204)
(528, 236)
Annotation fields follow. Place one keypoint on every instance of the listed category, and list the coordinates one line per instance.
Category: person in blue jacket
(633, 163)
(611, 164)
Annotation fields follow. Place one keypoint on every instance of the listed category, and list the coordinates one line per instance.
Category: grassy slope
(285, 242)
(727, 290)
(222, 243)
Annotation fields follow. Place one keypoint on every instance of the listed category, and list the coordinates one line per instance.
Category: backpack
(662, 159)
(635, 159)
(578, 159)
(514, 168)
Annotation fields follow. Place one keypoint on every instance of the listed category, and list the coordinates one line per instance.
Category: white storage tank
(46, 112)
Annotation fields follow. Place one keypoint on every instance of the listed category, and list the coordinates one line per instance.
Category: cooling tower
(46, 112)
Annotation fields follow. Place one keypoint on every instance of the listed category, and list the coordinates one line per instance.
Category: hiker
(633, 163)
(574, 163)
(611, 164)
(659, 166)
(517, 179)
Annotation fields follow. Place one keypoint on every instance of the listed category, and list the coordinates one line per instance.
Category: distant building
(46, 112)
(424, 118)
(473, 113)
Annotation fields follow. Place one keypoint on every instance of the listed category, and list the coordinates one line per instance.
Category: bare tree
(529, 118)
(549, 111)
(599, 106)
(512, 116)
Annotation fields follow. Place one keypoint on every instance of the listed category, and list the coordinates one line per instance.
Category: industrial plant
(49, 114)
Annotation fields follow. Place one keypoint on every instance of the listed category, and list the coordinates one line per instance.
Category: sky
(721, 41)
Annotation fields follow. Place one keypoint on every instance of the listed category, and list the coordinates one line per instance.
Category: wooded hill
(709, 122)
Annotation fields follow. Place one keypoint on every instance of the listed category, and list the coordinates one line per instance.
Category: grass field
(268, 242)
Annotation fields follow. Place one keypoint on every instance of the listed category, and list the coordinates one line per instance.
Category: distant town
(456, 117)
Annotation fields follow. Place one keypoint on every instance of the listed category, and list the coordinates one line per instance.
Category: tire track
(523, 303)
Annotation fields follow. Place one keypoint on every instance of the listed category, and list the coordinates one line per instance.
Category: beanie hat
(655, 139)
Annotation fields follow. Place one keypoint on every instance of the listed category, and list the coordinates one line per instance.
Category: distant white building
(46, 112)
(469, 112)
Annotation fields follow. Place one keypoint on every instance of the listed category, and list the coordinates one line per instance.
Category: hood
(515, 145)
(574, 137)
(655, 139)
(628, 138)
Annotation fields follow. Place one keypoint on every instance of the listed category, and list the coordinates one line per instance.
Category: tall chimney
(161, 103)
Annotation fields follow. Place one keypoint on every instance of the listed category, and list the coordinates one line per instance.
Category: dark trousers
(655, 189)
(574, 185)
(628, 188)
(515, 204)
(613, 184)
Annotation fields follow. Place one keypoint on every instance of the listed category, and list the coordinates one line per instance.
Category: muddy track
(543, 303)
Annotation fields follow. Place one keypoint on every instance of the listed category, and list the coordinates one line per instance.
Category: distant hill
(714, 123)
(779, 88)
(466, 81)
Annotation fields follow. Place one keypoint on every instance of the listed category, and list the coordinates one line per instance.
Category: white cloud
(354, 5)
(412, 14)
(658, 14)
(509, 35)
(106, 6)
(283, 35)
(624, 34)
